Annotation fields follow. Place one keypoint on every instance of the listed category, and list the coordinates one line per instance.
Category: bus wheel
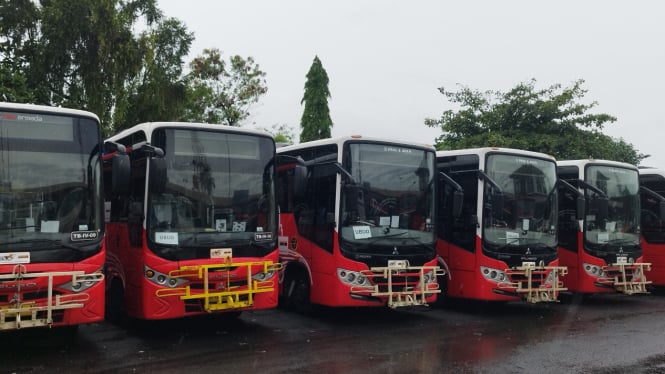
(297, 292)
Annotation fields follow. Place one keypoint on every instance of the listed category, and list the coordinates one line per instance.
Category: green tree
(86, 52)
(159, 92)
(18, 18)
(550, 120)
(282, 133)
(315, 122)
(221, 91)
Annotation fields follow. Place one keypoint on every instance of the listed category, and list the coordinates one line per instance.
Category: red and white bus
(602, 249)
(357, 223)
(196, 233)
(652, 199)
(502, 246)
(51, 217)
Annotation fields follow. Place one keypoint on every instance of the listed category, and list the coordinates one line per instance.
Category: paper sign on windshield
(166, 237)
(362, 232)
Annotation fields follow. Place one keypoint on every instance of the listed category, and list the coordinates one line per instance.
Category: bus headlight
(493, 275)
(81, 283)
(353, 278)
(162, 279)
(594, 270)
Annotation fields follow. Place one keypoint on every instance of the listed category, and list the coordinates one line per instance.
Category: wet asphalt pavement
(598, 334)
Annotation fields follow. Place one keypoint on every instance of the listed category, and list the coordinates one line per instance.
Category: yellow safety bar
(523, 280)
(21, 314)
(617, 277)
(227, 295)
(402, 292)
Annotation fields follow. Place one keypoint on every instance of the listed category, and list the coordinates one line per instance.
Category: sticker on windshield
(362, 232)
(14, 258)
(50, 226)
(78, 236)
(220, 225)
(394, 222)
(384, 221)
(166, 237)
(239, 226)
(610, 226)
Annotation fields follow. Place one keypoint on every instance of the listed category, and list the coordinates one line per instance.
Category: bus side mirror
(458, 202)
(579, 209)
(120, 173)
(600, 205)
(352, 194)
(299, 180)
(496, 201)
(157, 182)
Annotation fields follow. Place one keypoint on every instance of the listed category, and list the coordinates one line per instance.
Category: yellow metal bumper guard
(403, 285)
(21, 313)
(617, 276)
(226, 295)
(531, 284)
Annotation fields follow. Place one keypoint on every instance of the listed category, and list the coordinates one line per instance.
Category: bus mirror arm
(458, 194)
(657, 196)
(115, 147)
(580, 201)
(496, 195)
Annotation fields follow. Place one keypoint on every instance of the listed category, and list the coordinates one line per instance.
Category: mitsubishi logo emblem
(395, 251)
(528, 251)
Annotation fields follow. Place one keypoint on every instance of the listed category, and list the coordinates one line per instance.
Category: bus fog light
(262, 277)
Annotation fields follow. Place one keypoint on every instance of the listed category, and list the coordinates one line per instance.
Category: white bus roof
(343, 139)
(148, 128)
(47, 109)
(652, 171)
(484, 150)
(583, 163)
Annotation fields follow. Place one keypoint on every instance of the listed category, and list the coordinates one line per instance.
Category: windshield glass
(618, 225)
(527, 215)
(220, 190)
(391, 201)
(49, 181)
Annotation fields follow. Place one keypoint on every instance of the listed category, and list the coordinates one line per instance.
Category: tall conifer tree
(315, 122)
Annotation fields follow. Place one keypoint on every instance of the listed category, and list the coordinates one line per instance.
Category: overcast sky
(386, 59)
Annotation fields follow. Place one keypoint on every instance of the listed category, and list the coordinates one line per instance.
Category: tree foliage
(222, 91)
(87, 54)
(159, 91)
(17, 25)
(315, 122)
(550, 120)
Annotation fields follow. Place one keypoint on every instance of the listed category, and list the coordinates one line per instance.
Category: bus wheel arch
(296, 288)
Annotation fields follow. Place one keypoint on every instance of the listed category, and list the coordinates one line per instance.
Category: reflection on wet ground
(596, 333)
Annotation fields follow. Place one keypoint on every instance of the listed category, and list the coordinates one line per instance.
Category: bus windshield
(527, 215)
(49, 181)
(618, 227)
(220, 191)
(391, 201)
